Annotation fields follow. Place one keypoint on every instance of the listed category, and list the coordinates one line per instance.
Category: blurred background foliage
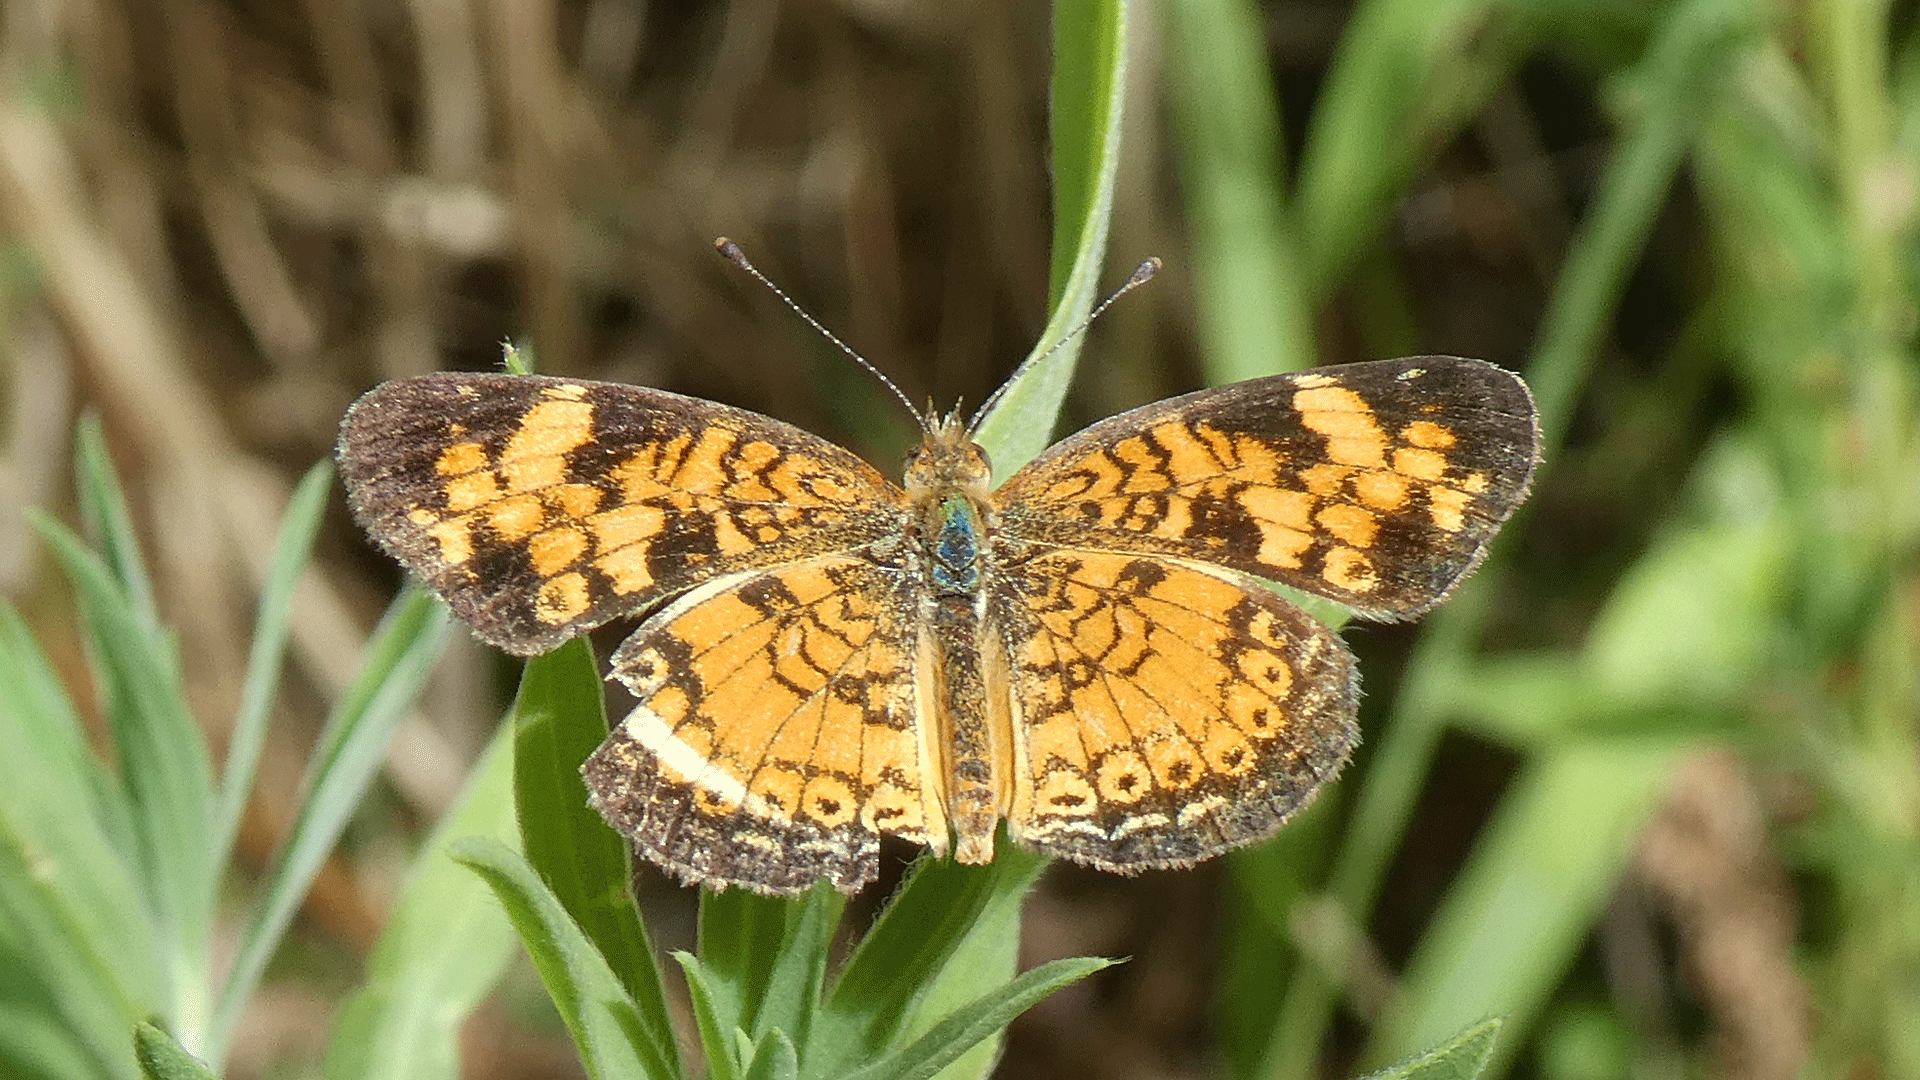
(1650, 786)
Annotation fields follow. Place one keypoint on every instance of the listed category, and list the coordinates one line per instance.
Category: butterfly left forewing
(540, 508)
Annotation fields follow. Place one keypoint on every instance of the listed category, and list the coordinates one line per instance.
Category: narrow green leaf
(791, 996)
(1406, 76)
(1539, 876)
(445, 946)
(1463, 1057)
(1248, 298)
(739, 943)
(1088, 92)
(948, 936)
(773, 1058)
(266, 653)
(103, 510)
(977, 1021)
(559, 716)
(36, 1044)
(609, 1034)
(400, 656)
(164, 766)
(719, 1038)
(163, 1059)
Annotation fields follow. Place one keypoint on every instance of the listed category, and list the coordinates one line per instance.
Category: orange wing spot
(561, 599)
(550, 429)
(1057, 737)
(780, 789)
(1065, 793)
(1344, 418)
(1475, 483)
(643, 475)
(1313, 380)
(1140, 466)
(1266, 673)
(422, 517)
(471, 490)
(627, 568)
(1252, 714)
(626, 526)
(829, 801)
(707, 625)
(1255, 460)
(1420, 464)
(1349, 523)
(749, 462)
(1426, 433)
(702, 470)
(1227, 750)
(1448, 507)
(1187, 457)
(516, 517)
(1279, 506)
(671, 704)
(1347, 569)
(575, 500)
(534, 473)
(456, 540)
(1325, 479)
(461, 458)
(556, 549)
(1281, 546)
(1095, 476)
(727, 537)
(1175, 763)
(1122, 777)
(1381, 490)
(565, 392)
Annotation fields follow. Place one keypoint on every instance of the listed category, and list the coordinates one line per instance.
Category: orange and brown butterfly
(1086, 652)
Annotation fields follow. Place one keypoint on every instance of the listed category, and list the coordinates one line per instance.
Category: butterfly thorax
(947, 481)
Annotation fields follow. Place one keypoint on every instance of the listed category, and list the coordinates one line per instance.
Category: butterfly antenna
(1141, 275)
(733, 254)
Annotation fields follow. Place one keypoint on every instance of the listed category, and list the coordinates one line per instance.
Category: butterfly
(1089, 652)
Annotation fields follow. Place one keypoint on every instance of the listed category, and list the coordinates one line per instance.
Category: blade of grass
(1088, 90)
(164, 765)
(1462, 1057)
(399, 658)
(559, 716)
(265, 654)
(611, 1038)
(161, 1058)
(37, 1044)
(1538, 878)
(103, 510)
(1407, 75)
(888, 986)
(967, 1026)
(444, 947)
(1250, 304)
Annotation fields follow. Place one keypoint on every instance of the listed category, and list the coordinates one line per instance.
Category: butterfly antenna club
(1140, 276)
(732, 253)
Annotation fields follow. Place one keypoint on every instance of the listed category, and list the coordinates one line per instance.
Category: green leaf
(949, 935)
(1088, 92)
(971, 1024)
(103, 509)
(606, 1028)
(720, 1040)
(1541, 873)
(266, 653)
(1249, 302)
(559, 716)
(444, 947)
(352, 745)
(1463, 1057)
(773, 1058)
(163, 1059)
(164, 766)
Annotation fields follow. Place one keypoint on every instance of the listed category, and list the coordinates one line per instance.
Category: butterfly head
(947, 461)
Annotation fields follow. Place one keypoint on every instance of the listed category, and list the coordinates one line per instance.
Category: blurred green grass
(1689, 223)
